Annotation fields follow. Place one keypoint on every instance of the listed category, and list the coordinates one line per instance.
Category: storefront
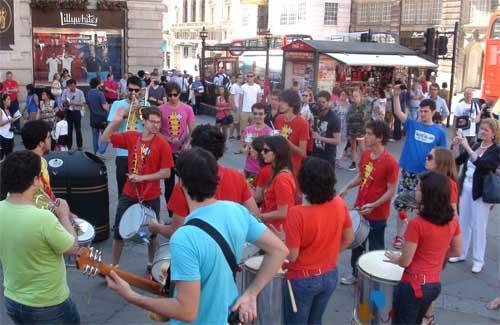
(322, 65)
(87, 43)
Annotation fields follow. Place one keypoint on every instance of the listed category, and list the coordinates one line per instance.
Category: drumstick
(292, 297)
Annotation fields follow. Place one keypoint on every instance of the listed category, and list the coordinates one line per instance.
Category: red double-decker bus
(491, 71)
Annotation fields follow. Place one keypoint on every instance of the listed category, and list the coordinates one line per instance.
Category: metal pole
(453, 59)
(202, 68)
(268, 43)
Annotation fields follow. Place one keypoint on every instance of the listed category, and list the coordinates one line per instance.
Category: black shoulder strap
(224, 246)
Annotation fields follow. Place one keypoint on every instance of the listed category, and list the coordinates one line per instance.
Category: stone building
(121, 35)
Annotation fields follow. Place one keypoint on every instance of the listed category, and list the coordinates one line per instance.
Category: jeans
(411, 310)
(99, 146)
(74, 119)
(64, 313)
(414, 112)
(121, 171)
(7, 146)
(375, 240)
(311, 295)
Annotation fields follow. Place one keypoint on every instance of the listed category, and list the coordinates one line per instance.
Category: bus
(256, 60)
(491, 70)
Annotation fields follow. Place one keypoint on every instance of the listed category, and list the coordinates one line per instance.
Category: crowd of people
(286, 202)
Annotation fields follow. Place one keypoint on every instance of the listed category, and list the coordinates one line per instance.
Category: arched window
(202, 10)
(193, 10)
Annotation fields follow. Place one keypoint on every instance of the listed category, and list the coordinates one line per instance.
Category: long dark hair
(435, 204)
(279, 146)
(4, 97)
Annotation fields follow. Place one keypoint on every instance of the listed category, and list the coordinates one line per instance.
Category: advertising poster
(6, 25)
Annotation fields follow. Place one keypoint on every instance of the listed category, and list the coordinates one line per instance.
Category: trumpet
(134, 116)
(43, 201)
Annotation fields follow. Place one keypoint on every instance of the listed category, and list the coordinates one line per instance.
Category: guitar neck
(132, 279)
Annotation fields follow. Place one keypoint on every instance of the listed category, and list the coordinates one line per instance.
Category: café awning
(382, 60)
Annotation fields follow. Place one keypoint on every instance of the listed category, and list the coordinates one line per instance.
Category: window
(193, 53)
(185, 11)
(186, 52)
(202, 10)
(331, 11)
(478, 10)
(193, 10)
(422, 12)
(373, 13)
(292, 12)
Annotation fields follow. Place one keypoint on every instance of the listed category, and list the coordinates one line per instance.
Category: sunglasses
(134, 90)
(265, 150)
(429, 157)
(172, 95)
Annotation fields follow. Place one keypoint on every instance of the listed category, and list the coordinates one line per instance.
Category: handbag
(491, 188)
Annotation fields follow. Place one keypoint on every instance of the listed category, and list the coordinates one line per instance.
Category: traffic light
(366, 37)
(442, 45)
(429, 39)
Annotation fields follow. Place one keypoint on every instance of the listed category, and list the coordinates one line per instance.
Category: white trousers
(473, 222)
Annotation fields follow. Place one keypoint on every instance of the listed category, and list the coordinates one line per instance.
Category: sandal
(494, 304)
(429, 320)
(398, 242)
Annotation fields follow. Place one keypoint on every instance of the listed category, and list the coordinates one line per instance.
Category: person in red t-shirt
(432, 236)
(377, 180)
(315, 233)
(11, 87)
(232, 184)
(279, 195)
(149, 161)
(111, 90)
(292, 126)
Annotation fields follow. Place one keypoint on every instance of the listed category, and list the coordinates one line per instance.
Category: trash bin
(81, 178)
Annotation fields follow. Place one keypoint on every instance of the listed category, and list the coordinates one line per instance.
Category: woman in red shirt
(431, 236)
(315, 233)
(279, 196)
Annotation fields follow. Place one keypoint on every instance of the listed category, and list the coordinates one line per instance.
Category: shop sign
(298, 45)
(99, 19)
(303, 56)
(6, 25)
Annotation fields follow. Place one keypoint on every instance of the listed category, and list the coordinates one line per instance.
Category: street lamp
(203, 36)
(268, 36)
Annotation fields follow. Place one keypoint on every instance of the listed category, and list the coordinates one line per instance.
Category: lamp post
(268, 36)
(203, 36)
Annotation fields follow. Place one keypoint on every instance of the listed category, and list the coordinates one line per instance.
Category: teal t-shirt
(196, 256)
(117, 105)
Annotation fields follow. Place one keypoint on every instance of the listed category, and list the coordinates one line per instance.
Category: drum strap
(224, 246)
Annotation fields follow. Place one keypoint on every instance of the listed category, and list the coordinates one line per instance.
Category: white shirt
(236, 91)
(60, 129)
(441, 106)
(305, 111)
(250, 94)
(66, 63)
(471, 110)
(5, 129)
(53, 65)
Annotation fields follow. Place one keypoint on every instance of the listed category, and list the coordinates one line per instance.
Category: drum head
(254, 263)
(356, 219)
(86, 229)
(131, 221)
(372, 263)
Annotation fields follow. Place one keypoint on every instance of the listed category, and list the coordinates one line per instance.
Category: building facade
(120, 35)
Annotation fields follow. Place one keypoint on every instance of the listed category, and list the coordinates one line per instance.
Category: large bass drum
(374, 289)
(270, 299)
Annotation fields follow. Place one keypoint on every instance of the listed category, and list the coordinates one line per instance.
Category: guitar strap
(224, 246)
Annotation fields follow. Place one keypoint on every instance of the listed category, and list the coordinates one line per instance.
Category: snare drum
(361, 229)
(249, 250)
(374, 289)
(85, 232)
(270, 299)
(161, 256)
(134, 223)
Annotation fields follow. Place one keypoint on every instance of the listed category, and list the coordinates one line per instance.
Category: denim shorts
(64, 313)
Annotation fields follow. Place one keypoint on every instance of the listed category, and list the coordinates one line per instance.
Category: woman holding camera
(6, 134)
(479, 160)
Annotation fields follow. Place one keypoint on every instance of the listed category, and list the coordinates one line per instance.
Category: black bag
(98, 121)
(491, 188)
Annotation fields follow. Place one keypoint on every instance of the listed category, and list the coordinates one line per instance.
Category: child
(60, 132)
(223, 116)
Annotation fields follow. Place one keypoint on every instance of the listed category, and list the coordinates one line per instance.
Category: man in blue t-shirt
(205, 291)
(421, 136)
(121, 160)
(98, 108)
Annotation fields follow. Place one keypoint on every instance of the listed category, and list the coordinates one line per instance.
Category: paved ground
(461, 301)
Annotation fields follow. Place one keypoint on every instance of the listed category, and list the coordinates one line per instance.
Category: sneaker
(476, 268)
(398, 242)
(348, 280)
(352, 167)
(456, 259)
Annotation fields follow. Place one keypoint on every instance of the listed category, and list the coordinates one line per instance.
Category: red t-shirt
(113, 85)
(159, 157)
(454, 191)
(295, 130)
(232, 187)
(281, 191)
(9, 85)
(317, 231)
(432, 242)
(375, 174)
(265, 174)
